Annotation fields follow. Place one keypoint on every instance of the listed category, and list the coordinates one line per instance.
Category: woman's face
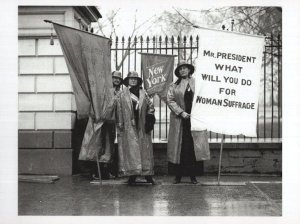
(116, 81)
(132, 82)
(184, 71)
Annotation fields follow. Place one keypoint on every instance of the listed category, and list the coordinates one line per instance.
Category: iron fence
(125, 58)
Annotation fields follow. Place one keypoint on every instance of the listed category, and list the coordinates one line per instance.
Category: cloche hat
(117, 74)
(184, 63)
(133, 74)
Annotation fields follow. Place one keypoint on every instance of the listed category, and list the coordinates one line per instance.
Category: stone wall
(45, 152)
(254, 158)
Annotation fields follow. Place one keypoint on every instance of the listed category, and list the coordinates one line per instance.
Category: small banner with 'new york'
(157, 73)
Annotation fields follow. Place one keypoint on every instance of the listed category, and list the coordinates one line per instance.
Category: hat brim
(114, 76)
(125, 81)
(191, 67)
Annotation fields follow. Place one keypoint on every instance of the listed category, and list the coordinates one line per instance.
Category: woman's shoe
(131, 180)
(177, 180)
(149, 179)
(95, 177)
(194, 180)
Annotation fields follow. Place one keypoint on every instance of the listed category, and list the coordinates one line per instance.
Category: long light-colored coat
(92, 143)
(175, 101)
(134, 145)
(107, 150)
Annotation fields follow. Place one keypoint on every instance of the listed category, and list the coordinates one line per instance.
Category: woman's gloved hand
(185, 115)
(149, 124)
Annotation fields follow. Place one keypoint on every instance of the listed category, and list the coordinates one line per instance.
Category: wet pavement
(259, 196)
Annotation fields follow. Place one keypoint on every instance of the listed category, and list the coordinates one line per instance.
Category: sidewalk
(259, 196)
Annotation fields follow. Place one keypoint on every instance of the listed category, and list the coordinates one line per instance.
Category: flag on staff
(89, 63)
(227, 82)
(88, 60)
(157, 73)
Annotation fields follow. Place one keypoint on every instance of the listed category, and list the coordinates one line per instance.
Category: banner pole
(98, 166)
(220, 159)
(97, 156)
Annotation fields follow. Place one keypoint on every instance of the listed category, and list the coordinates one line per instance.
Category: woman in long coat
(103, 139)
(109, 156)
(184, 150)
(134, 133)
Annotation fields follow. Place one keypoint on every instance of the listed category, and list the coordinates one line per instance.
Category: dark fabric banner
(89, 64)
(157, 73)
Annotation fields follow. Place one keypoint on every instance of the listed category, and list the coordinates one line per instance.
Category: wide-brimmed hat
(117, 74)
(184, 63)
(133, 74)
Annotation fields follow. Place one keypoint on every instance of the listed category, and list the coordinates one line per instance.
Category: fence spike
(184, 39)
(166, 39)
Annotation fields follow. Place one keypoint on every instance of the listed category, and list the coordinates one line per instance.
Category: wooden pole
(97, 156)
(98, 166)
(220, 160)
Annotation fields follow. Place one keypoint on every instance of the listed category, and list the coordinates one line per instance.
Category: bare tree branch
(153, 22)
(193, 25)
(112, 21)
(100, 28)
(129, 46)
(257, 26)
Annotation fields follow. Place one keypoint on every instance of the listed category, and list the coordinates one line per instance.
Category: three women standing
(136, 119)
(135, 122)
(185, 152)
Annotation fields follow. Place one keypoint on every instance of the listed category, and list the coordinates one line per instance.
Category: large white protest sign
(227, 83)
